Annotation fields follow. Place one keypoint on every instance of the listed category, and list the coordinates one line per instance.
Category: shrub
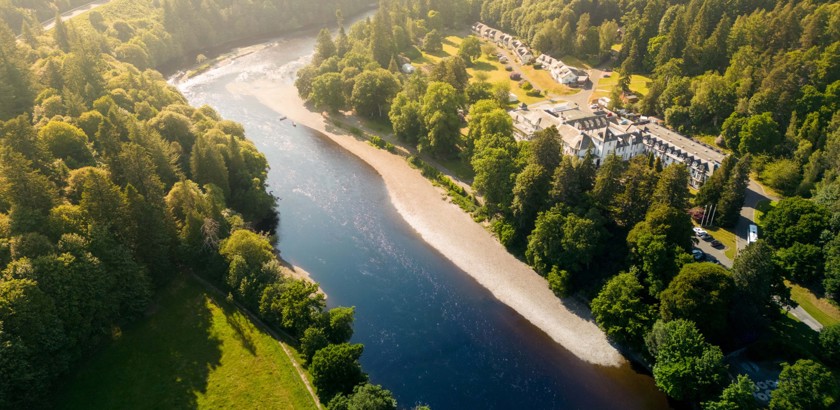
(504, 231)
(380, 143)
(558, 281)
(830, 344)
(782, 175)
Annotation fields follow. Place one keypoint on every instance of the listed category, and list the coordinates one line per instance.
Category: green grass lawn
(638, 85)
(192, 352)
(787, 339)
(820, 308)
(496, 72)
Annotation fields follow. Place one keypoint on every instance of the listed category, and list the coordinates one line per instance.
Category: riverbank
(453, 233)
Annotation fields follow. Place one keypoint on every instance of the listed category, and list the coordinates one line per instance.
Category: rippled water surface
(432, 335)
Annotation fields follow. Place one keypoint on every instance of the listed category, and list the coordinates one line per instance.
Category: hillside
(190, 352)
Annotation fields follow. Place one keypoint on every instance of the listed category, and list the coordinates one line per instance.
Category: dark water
(432, 335)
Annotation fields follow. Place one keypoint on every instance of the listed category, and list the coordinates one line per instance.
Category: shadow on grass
(161, 362)
(236, 323)
(438, 53)
(483, 66)
(787, 339)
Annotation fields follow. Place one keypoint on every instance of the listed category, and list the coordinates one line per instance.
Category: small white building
(524, 55)
(562, 73)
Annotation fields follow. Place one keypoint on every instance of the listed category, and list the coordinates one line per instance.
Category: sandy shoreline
(453, 233)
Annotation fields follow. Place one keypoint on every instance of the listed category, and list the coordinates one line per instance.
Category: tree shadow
(483, 66)
(236, 322)
(438, 53)
(163, 361)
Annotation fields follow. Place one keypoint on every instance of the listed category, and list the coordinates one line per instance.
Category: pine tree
(732, 198)
(60, 34)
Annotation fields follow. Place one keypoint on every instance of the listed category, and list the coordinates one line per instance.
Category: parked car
(716, 244)
(698, 229)
(697, 254)
(710, 258)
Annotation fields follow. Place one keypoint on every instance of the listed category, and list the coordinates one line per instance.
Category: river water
(432, 334)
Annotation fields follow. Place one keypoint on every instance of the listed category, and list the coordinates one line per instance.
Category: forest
(761, 77)
(111, 186)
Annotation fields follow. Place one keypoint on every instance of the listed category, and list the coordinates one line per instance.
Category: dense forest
(23, 15)
(762, 75)
(111, 185)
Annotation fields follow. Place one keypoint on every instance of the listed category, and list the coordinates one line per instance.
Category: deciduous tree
(335, 369)
(621, 312)
(805, 384)
(687, 367)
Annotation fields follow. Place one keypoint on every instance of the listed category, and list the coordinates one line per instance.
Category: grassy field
(638, 85)
(820, 308)
(192, 352)
(495, 72)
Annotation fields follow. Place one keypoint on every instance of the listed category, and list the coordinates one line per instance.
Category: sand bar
(453, 233)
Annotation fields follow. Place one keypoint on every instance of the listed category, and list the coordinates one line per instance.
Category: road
(49, 24)
(754, 194)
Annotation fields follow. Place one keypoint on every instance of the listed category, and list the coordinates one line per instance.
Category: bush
(830, 344)
(458, 195)
(534, 93)
(782, 175)
(413, 53)
(526, 86)
(558, 281)
(504, 231)
(380, 143)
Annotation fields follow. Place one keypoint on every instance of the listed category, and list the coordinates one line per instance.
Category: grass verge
(456, 193)
(193, 352)
(820, 308)
(726, 237)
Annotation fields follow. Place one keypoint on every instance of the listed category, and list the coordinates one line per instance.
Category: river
(432, 334)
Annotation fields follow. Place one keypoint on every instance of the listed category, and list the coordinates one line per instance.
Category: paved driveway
(719, 254)
(753, 195)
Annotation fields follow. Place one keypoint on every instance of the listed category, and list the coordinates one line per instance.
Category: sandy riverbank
(453, 233)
